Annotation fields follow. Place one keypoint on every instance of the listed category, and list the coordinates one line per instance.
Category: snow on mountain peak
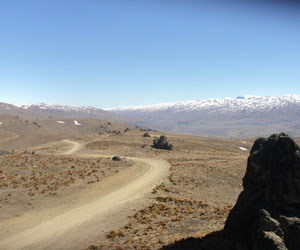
(247, 103)
(45, 106)
(244, 103)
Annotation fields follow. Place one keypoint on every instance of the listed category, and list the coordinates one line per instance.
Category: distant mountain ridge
(35, 124)
(67, 111)
(245, 116)
(42, 111)
(61, 109)
(223, 105)
(44, 106)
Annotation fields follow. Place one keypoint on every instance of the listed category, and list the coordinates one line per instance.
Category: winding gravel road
(50, 233)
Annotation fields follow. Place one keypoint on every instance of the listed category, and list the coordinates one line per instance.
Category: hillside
(51, 192)
(247, 116)
(42, 111)
(33, 124)
(57, 190)
(66, 111)
(16, 132)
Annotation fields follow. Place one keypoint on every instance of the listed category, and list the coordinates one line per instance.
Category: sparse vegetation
(202, 185)
(26, 177)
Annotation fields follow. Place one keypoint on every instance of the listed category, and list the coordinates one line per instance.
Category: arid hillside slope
(17, 132)
(203, 183)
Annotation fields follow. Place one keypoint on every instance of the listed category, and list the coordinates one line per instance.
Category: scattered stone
(146, 135)
(267, 212)
(117, 132)
(162, 143)
(3, 152)
(37, 125)
(116, 158)
(126, 130)
(148, 129)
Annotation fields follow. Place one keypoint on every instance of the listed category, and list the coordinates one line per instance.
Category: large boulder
(116, 158)
(162, 143)
(266, 215)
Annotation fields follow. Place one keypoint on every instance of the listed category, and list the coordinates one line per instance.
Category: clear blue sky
(127, 52)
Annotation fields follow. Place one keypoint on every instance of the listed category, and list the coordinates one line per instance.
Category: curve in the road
(38, 235)
(75, 146)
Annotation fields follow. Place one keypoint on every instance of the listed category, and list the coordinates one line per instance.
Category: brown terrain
(60, 189)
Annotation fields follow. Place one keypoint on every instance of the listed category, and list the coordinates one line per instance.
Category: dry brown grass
(204, 182)
(26, 177)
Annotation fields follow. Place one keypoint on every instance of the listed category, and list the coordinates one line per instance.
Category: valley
(150, 125)
(44, 185)
(240, 117)
(60, 188)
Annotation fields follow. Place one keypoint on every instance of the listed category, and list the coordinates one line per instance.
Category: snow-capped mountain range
(56, 107)
(245, 116)
(49, 111)
(66, 111)
(222, 105)
(246, 103)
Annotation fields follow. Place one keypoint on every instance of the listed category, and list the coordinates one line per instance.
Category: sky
(137, 52)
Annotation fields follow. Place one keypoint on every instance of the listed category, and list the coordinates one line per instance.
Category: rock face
(266, 215)
(162, 143)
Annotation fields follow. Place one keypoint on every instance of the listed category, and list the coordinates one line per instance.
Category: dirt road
(75, 146)
(72, 227)
(10, 138)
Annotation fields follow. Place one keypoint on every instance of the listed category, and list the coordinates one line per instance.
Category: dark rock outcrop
(116, 158)
(213, 241)
(266, 215)
(162, 143)
(146, 135)
(37, 125)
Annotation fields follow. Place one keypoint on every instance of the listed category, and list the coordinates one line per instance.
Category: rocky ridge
(162, 143)
(266, 215)
(267, 212)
